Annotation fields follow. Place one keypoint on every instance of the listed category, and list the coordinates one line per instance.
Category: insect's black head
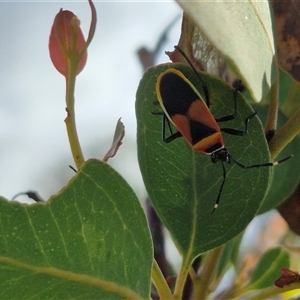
(221, 154)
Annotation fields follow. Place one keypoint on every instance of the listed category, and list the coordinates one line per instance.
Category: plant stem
(285, 135)
(271, 123)
(70, 119)
(160, 282)
(202, 282)
(182, 277)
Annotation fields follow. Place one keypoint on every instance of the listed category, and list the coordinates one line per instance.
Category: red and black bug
(184, 107)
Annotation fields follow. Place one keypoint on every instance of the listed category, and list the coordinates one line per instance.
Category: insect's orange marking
(199, 112)
(208, 142)
(182, 123)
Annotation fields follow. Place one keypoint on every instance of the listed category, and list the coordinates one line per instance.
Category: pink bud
(65, 29)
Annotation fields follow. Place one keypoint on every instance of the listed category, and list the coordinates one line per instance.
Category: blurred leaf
(282, 184)
(224, 261)
(229, 255)
(242, 32)
(289, 94)
(90, 241)
(268, 269)
(183, 184)
(117, 141)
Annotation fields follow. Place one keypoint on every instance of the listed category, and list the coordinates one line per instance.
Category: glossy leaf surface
(90, 241)
(183, 184)
(268, 268)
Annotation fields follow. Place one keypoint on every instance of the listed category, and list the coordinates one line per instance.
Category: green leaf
(268, 269)
(183, 184)
(282, 184)
(90, 241)
(225, 259)
(242, 32)
(289, 91)
(229, 255)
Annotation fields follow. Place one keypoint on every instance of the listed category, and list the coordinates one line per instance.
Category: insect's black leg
(166, 121)
(204, 86)
(206, 93)
(270, 164)
(244, 167)
(240, 132)
(173, 136)
(220, 190)
(157, 113)
(232, 116)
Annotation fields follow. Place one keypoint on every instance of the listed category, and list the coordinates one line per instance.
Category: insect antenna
(204, 85)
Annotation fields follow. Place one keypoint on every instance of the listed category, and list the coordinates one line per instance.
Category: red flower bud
(287, 277)
(65, 32)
